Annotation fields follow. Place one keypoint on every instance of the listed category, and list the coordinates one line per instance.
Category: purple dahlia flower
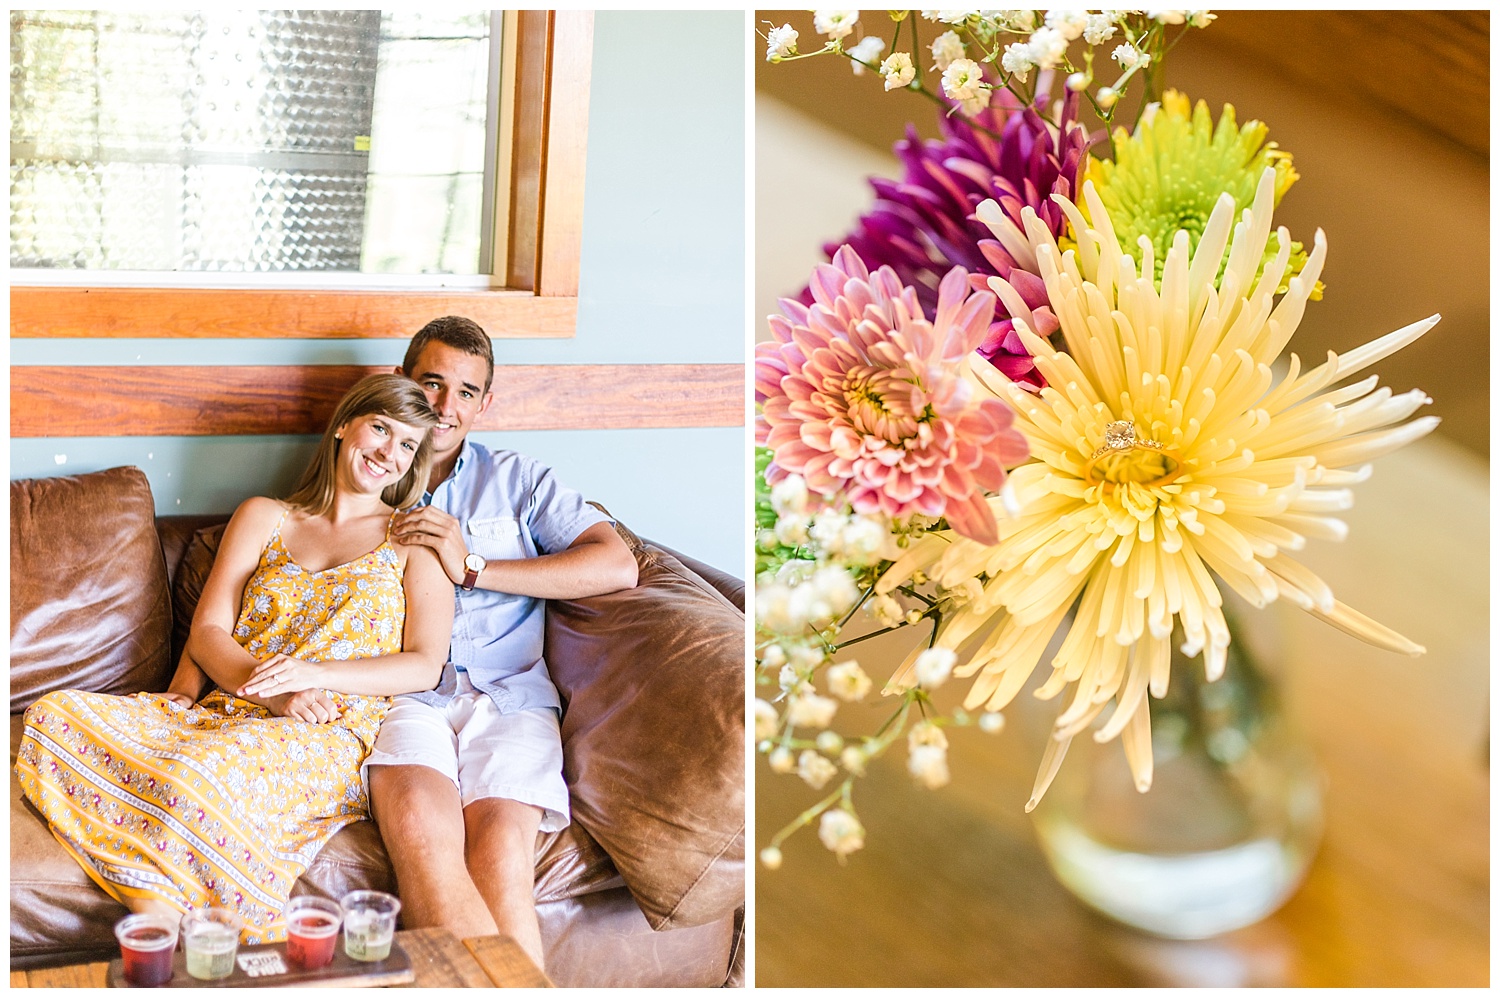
(923, 225)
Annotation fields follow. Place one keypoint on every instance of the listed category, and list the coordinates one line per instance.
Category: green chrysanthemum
(1168, 175)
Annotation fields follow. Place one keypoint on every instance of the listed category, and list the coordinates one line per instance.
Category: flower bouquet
(1041, 397)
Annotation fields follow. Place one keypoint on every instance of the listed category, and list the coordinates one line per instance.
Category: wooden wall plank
(299, 399)
(203, 313)
(567, 142)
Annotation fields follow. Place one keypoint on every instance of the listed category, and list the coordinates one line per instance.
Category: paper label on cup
(265, 963)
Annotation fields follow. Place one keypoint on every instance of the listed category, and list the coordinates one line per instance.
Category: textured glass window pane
(243, 141)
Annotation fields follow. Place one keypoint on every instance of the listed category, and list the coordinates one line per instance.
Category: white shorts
(485, 753)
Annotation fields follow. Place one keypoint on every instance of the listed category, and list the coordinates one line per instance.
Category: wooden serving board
(268, 967)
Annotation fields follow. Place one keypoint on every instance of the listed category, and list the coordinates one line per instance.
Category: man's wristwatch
(473, 565)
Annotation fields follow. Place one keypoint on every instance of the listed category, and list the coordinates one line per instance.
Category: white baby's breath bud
(773, 657)
(963, 80)
(829, 741)
(1017, 60)
(815, 770)
(834, 23)
(1099, 29)
(781, 760)
(774, 610)
(780, 43)
(827, 531)
(946, 49)
(766, 720)
(926, 733)
(1199, 18)
(765, 539)
(806, 658)
(913, 616)
(1167, 16)
(1129, 57)
(929, 764)
(795, 571)
(949, 16)
(934, 666)
(810, 710)
(791, 529)
(1077, 82)
(770, 858)
(969, 108)
(868, 50)
(834, 585)
(898, 70)
(853, 758)
(848, 682)
(865, 538)
(991, 722)
(1070, 23)
(886, 610)
(841, 832)
(1048, 46)
(1106, 97)
(789, 495)
(787, 678)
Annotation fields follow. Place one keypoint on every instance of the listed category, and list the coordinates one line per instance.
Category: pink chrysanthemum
(861, 394)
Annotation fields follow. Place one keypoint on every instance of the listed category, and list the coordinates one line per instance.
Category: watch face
(474, 563)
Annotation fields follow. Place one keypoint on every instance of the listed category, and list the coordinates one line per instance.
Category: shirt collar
(463, 456)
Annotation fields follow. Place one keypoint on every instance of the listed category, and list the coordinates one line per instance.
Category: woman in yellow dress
(311, 619)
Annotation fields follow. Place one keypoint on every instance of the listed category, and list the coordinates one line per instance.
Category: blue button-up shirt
(508, 507)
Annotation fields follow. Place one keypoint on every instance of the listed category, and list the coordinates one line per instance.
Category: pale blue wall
(661, 282)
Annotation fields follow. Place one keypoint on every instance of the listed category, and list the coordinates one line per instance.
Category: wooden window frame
(543, 139)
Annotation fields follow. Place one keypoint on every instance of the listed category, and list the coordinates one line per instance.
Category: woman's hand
(312, 706)
(281, 674)
(178, 698)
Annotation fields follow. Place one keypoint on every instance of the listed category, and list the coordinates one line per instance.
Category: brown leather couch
(644, 888)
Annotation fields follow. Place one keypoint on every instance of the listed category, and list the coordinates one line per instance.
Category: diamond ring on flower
(1120, 438)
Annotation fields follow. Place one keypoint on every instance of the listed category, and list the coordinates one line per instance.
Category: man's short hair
(457, 332)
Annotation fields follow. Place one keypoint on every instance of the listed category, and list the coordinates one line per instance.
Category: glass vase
(1228, 828)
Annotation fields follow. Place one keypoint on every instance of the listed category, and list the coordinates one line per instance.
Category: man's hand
(281, 674)
(433, 528)
(312, 706)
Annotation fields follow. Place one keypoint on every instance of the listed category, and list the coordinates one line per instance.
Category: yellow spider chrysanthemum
(1165, 462)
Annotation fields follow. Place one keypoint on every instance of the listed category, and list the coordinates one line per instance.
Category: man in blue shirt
(462, 778)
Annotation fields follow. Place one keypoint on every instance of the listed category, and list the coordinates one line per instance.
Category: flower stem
(806, 817)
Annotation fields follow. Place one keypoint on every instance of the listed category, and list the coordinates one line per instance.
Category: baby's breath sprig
(979, 52)
(817, 567)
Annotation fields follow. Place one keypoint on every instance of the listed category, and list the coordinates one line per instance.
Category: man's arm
(597, 561)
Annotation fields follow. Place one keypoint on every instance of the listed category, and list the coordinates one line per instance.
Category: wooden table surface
(952, 890)
(440, 961)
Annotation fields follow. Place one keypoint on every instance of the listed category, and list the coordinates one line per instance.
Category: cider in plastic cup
(147, 943)
(312, 930)
(210, 937)
(369, 924)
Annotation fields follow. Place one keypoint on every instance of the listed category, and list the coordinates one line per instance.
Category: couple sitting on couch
(317, 611)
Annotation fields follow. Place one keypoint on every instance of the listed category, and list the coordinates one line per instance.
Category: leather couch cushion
(89, 606)
(187, 585)
(600, 940)
(653, 736)
(54, 906)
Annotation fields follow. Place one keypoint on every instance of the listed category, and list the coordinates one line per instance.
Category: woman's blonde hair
(389, 395)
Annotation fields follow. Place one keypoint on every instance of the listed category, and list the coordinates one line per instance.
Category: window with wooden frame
(540, 138)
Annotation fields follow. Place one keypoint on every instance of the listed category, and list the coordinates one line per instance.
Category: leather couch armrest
(730, 587)
(653, 679)
(89, 605)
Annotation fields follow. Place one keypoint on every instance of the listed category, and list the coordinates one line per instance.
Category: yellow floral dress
(222, 803)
